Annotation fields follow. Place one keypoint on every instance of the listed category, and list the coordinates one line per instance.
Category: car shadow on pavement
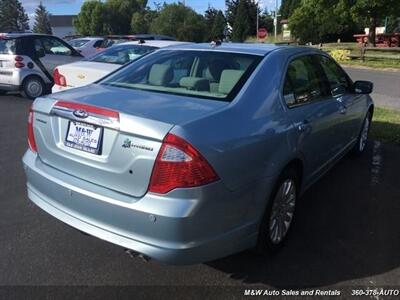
(346, 227)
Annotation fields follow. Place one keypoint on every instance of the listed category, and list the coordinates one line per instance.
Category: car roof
(21, 34)
(91, 38)
(155, 43)
(245, 48)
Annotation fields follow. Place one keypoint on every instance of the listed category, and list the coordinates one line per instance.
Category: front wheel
(32, 87)
(279, 214)
(359, 147)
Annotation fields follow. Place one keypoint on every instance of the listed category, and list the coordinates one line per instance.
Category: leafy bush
(340, 54)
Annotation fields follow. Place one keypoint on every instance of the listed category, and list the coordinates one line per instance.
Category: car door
(349, 104)
(313, 112)
(54, 52)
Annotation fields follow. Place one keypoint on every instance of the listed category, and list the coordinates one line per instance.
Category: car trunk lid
(129, 135)
(85, 72)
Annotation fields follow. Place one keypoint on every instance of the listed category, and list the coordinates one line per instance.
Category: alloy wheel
(282, 211)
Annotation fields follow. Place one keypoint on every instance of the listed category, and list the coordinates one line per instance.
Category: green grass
(386, 126)
(381, 64)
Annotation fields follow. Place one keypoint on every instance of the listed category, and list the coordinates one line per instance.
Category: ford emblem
(80, 113)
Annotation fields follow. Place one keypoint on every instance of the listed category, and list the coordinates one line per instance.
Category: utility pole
(257, 22)
(276, 20)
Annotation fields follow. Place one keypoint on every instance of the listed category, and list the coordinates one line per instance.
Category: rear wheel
(279, 214)
(33, 87)
(359, 147)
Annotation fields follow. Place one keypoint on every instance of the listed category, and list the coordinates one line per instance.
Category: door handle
(342, 106)
(303, 126)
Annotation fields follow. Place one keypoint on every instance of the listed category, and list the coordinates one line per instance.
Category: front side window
(335, 75)
(201, 74)
(121, 55)
(303, 82)
(97, 44)
(54, 46)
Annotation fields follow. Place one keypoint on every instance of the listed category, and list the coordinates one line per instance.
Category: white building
(61, 25)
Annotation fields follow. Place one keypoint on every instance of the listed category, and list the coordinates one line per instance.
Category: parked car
(195, 152)
(84, 72)
(111, 40)
(87, 46)
(27, 61)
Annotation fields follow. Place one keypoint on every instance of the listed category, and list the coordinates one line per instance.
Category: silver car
(27, 62)
(195, 152)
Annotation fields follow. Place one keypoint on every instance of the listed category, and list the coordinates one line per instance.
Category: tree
(42, 20)
(287, 7)
(180, 21)
(141, 21)
(215, 23)
(242, 15)
(92, 19)
(240, 28)
(13, 16)
(120, 14)
(110, 17)
(371, 12)
(266, 21)
(322, 21)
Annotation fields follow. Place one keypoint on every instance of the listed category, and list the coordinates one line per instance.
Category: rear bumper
(9, 87)
(172, 229)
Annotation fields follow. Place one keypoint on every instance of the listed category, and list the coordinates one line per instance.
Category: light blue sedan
(195, 152)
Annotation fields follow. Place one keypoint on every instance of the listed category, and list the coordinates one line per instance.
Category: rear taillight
(179, 165)
(31, 136)
(19, 62)
(59, 79)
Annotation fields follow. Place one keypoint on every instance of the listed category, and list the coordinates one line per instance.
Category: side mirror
(363, 87)
(338, 91)
(40, 53)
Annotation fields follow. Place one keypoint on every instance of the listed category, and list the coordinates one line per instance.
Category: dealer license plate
(84, 137)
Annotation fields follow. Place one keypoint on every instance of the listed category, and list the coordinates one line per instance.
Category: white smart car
(92, 69)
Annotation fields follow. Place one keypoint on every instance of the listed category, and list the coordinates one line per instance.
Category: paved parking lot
(346, 232)
(386, 85)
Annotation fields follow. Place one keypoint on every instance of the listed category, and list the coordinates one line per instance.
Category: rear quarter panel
(250, 141)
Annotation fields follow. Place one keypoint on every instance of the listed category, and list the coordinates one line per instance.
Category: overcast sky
(72, 7)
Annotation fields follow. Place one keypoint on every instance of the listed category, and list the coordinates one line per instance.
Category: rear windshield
(78, 43)
(121, 55)
(7, 46)
(202, 74)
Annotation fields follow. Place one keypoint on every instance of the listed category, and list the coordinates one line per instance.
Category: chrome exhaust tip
(133, 254)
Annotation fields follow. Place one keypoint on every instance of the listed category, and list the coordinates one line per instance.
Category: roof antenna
(142, 41)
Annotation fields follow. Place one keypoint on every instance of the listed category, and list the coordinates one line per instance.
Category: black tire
(360, 146)
(265, 244)
(33, 87)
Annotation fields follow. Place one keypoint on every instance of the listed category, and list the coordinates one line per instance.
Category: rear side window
(335, 75)
(303, 82)
(8, 46)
